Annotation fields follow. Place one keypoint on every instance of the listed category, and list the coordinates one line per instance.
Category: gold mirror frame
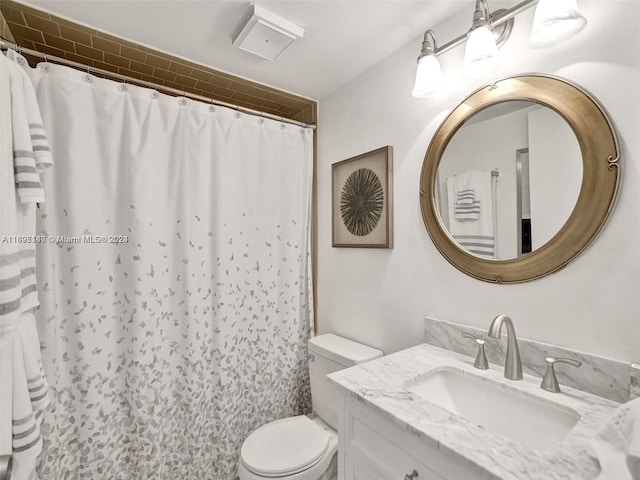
(601, 172)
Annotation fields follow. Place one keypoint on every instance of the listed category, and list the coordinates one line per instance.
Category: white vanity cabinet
(372, 447)
(388, 429)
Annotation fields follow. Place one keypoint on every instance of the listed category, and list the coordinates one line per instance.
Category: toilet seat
(285, 447)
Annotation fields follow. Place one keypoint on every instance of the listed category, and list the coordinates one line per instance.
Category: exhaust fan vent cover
(266, 34)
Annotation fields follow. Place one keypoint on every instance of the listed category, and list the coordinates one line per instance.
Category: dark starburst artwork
(361, 202)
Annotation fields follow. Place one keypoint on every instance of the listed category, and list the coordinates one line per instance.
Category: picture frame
(362, 200)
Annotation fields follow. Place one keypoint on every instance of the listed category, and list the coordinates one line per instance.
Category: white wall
(380, 297)
(555, 168)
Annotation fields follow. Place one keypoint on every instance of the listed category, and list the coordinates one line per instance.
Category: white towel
(466, 184)
(9, 259)
(30, 396)
(28, 185)
(617, 444)
(39, 142)
(21, 188)
(24, 151)
(475, 236)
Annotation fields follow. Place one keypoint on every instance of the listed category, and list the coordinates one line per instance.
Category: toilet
(305, 447)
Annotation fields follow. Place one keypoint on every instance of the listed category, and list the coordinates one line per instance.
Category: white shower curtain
(174, 280)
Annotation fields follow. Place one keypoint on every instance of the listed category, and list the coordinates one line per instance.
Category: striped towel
(483, 245)
(31, 152)
(467, 205)
(472, 229)
(465, 197)
(24, 152)
(30, 396)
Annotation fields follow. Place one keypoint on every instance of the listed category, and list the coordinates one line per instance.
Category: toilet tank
(329, 353)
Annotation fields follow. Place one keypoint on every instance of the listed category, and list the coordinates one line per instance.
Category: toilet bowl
(301, 447)
(295, 448)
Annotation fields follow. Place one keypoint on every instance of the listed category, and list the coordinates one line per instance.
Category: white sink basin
(529, 421)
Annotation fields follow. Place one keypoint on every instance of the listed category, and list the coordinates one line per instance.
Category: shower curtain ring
(45, 57)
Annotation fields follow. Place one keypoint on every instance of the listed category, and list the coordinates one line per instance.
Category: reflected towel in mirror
(465, 186)
(475, 229)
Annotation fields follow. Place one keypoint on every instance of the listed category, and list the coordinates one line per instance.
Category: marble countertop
(381, 385)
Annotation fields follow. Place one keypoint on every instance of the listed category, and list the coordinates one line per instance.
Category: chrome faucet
(512, 365)
(6, 464)
(550, 381)
(481, 358)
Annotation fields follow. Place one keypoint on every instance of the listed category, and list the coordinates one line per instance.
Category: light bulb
(481, 52)
(429, 76)
(555, 21)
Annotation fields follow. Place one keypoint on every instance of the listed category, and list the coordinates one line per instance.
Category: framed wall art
(362, 206)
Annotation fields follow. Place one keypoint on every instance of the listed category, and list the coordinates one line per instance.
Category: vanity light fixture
(481, 51)
(429, 76)
(554, 21)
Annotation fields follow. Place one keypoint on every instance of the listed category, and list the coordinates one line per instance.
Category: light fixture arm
(500, 18)
(554, 21)
(481, 15)
(427, 47)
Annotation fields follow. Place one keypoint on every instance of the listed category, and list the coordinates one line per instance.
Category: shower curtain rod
(6, 44)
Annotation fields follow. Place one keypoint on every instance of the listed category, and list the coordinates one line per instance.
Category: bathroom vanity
(427, 413)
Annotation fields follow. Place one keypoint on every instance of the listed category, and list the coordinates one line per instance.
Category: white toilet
(304, 448)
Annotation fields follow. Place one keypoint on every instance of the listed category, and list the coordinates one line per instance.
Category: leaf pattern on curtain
(165, 348)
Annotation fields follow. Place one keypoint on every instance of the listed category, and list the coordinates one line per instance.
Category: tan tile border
(44, 32)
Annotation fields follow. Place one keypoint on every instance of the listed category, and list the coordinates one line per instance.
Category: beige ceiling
(343, 39)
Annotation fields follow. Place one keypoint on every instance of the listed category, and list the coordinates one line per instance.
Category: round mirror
(519, 178)
(518, 166)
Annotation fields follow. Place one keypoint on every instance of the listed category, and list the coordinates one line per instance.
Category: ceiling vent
(266, 34)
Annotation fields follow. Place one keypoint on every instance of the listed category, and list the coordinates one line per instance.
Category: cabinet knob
(411, 476)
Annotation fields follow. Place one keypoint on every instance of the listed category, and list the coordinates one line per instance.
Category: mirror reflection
(508, 180)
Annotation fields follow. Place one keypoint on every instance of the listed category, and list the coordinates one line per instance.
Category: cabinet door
(362, 471)
(377, 445)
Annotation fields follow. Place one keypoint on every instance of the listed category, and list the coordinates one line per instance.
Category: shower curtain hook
(45, 57)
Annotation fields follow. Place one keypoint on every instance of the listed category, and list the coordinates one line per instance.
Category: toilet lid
(284, 447)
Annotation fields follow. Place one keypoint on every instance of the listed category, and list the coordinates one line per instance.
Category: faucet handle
(481, 358)
(549, 381)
